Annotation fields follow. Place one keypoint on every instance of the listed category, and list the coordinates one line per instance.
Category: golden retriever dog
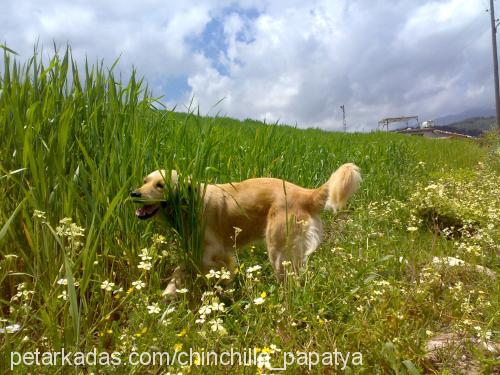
(285, 215)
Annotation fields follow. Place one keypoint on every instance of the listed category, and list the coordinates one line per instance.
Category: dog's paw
(170, 291)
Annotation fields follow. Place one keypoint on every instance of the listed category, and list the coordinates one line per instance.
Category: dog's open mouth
(147, 211)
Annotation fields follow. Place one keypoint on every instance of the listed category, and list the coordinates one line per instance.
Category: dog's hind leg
(279, 235)
(309, 239)
(291, 240)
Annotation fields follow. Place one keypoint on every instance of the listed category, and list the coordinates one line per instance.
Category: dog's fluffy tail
(343, 183)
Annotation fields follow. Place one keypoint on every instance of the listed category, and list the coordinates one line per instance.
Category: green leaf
(370, 278)
(7, 49)
(411, 367)
(73, 303)
(7, 224)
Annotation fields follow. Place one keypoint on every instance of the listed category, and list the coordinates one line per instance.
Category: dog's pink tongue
(140, 212)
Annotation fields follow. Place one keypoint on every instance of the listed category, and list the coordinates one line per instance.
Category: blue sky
(292, 61)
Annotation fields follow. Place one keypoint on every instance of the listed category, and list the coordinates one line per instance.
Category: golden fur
(284, 214)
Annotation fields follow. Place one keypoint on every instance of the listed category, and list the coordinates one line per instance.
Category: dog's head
(153, 192)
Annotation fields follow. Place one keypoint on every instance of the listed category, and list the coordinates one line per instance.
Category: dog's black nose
(135, 194)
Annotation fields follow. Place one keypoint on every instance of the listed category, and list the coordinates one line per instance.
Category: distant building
(427, 124)
(431, 133)
(423, 129)
(384, 123)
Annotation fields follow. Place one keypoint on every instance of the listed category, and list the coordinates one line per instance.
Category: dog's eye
(159, 185)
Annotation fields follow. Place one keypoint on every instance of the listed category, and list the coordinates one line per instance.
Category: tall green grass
(75, 140)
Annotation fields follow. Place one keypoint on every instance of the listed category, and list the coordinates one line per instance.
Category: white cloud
(379, 59)
(149, 35)
(296, 62)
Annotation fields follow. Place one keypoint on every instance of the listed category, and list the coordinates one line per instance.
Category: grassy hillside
(473, 126)
(79, 271)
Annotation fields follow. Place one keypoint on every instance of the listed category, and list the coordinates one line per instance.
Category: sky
(292, 62)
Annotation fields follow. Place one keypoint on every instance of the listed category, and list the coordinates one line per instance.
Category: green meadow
(78, 270)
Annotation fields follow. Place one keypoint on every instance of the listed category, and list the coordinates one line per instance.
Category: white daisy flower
(144, 265)
(107, 285)
(216, 326)
(254, 268)
(225, 275)
(138, 284)
(212, 274)
(12, 328)
(218, 306)
(205, 310)
(63, 295)
(154, 308)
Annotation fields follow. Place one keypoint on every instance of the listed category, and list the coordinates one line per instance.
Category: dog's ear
(187, 180)
(174, 177)
(177, 179)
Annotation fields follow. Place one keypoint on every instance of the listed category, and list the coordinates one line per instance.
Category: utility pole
(342, 107)
(495, 60)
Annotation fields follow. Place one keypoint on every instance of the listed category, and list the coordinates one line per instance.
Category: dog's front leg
(216, 258)
(176, 282)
